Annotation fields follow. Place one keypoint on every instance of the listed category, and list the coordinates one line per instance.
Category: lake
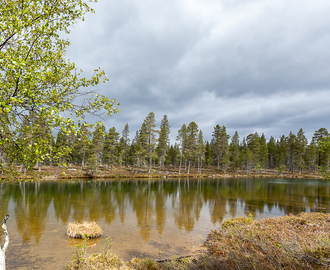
(147, 218)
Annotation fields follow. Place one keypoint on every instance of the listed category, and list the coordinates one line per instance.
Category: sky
(250, 65)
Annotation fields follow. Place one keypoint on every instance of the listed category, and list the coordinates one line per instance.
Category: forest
(94, 146)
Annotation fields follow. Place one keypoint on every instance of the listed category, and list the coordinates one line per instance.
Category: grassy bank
(103, 172)
(290, 242)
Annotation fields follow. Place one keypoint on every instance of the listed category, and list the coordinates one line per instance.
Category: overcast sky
(251, 65)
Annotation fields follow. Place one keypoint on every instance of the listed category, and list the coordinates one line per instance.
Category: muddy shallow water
(149, 218)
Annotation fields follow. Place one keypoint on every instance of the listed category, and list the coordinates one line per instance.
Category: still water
(148, 218)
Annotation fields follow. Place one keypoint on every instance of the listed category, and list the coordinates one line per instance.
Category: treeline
(150, 147)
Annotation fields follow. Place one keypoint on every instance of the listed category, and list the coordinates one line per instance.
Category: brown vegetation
(290, 242)
(84, 229)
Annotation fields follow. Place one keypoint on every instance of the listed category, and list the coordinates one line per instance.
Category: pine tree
(34, 133)
(192, 139)
(139, 152)
(220, 146)
(163, 141)
(126, 144)
(253, 144)
(311, 157)
(110, 147)
(300, 150)
(234, 151)
(173, 155)
(182, 138)
(200, 151)
(95, 149)
(263, 152)
(64, 144)
(322, 155)
(271, 145)
(208, 154)
(81, 144)
(97, 142)
(291, 148)
(281, 152)
(148, 134)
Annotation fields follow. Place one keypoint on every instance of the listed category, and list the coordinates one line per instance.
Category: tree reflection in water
(154, 202)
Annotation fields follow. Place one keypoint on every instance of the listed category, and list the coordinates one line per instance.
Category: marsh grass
(290, 242)
(84, 229)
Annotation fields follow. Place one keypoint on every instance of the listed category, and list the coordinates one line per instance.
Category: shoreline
(123, 172)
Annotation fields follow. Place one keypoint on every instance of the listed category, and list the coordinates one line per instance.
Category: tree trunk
(188, 167)
(5, 246)
(180, 164)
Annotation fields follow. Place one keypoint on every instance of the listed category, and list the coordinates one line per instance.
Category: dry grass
(291, 242)
(84, 229)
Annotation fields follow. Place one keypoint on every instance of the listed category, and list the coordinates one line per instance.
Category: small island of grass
(84, 229)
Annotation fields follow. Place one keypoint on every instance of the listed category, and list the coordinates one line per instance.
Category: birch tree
(36, 77)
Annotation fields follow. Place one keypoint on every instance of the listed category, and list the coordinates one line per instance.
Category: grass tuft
(84, 229)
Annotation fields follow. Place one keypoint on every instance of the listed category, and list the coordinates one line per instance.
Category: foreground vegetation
(290, 242)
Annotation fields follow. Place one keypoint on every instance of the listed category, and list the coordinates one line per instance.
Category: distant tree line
(150, 147)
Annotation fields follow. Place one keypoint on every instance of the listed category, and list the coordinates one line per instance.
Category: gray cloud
(249, 65)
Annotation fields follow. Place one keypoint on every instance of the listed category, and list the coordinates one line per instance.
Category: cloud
(250, 65)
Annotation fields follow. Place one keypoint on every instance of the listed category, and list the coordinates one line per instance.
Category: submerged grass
(84, 229)
(290, 242)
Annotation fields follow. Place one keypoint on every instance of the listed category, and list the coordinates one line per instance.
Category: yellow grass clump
(84, 229)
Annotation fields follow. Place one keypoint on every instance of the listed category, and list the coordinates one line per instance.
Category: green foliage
(36, 78)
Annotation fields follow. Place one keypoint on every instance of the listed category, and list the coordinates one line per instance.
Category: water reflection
(153, 203)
